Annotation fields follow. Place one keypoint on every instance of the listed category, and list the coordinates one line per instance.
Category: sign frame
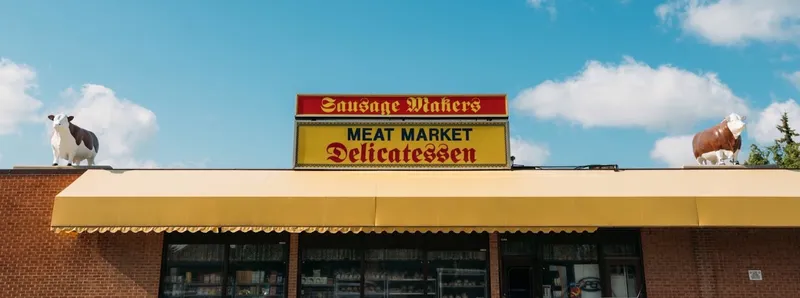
(299, 116)
(389, 122)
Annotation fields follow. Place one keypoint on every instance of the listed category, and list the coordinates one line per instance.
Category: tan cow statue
(721, 142)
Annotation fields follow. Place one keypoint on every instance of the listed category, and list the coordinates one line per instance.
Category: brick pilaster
(494, 265)
(294, 241)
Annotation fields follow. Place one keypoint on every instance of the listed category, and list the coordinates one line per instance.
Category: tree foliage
(785, 152)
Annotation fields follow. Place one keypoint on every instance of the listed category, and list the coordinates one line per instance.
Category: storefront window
(395, 272)
(517, 248)
(460, 274)
(570, 252)
(239, 265)
(394, 265)
(194, 270)
(257, 270)
(327, 273)
(623, 281)
(601, 264)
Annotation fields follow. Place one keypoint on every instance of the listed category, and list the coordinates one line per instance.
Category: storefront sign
(407, 106)
(401, 144)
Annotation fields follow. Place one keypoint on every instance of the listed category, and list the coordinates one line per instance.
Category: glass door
(623, 279)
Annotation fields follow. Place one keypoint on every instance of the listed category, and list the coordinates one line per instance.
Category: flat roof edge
(62, 168)
(731, 167)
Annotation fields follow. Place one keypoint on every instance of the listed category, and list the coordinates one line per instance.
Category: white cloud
(548, 5)
(633, 95)
(528, 153)
(674, 151)
(730, 22)
(763, 128)
(793, 78)
(17, 104)
(120, 124)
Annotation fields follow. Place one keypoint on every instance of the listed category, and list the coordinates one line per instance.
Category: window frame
(426, 242)
(601, 238)
(226, 240)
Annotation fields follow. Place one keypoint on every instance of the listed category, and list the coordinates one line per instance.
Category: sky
(212, 84)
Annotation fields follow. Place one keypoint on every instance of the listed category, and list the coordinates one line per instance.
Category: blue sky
(212, 83)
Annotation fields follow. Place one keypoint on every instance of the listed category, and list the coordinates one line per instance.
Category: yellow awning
(423, 201)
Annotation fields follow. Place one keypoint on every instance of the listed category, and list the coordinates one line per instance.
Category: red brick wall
(35, 262)
(711, 263)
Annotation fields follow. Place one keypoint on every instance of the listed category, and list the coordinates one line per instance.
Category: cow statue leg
(55, 157)
(701, 161)
(735, 157)
(721, 157)
(90, 161)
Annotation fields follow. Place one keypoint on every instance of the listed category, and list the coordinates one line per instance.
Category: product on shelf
(256, 252)
(330, 254)
(195, 252)
(463, 283)
(393, 275)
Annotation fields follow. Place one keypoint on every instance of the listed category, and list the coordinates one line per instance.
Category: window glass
(620, 250)
(327, 273)
(257, 270)
(395, 272)
(572, 281)
(517, 248)
(194, 270)
(569, 252)
(623, 281)
(459, 274)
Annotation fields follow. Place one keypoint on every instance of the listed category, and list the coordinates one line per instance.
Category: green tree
(787, 132)
(785, 152)
(757, 156)
(791, 158)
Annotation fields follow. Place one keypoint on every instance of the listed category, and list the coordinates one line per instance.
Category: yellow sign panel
(385, 144)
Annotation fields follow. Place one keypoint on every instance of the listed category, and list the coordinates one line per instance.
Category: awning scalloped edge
(134, 229)
(279, 229)
(344, 230)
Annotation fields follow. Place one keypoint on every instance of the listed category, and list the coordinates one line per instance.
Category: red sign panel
(486, 105)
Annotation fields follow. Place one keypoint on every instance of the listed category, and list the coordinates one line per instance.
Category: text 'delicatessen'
(402, 145)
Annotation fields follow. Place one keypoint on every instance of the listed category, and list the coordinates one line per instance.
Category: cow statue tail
(96, 143)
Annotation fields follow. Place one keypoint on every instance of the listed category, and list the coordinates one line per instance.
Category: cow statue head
(735, 123)
(60, 121)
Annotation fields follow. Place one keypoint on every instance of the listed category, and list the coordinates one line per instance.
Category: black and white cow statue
(72, 143)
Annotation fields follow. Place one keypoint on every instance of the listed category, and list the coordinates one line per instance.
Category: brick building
(466, 234)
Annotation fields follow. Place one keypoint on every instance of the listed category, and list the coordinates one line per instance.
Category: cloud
(731, 22)
(793, 78)
(548, 5)
(17, 104)
(631, 95)
(528, 153)
(674, 151)
(121, 125)
(763, 130)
